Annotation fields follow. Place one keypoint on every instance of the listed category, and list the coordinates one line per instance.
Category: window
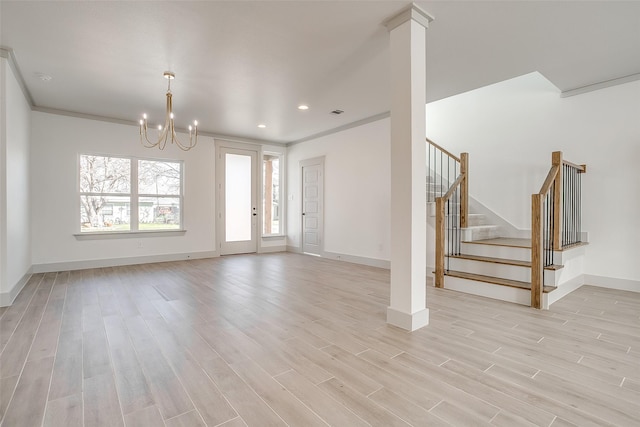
(271, 207)
(127, 194)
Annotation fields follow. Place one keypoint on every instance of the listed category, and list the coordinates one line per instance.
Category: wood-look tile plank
(504, 419)
(404, 409)
(7, 387)
(416, 391)
(526, 389)
(14, 313)
(64, 412)
(67, 370)
(471, 380)
(101, 406)
(319, 402)
(15, 353)
(146, 417)
(167, 390)
(475, 405)
(207, 398)
(356, 380)
(46, 339)
(286, 405)
(359, 404)
(95, 353)
(190, 419)
(133, 390)
(236, 422)
(456, 415)
(30, 396)
(243, 398)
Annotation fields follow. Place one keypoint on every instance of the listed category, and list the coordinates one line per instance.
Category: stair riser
(502, 293)
(505, 271)
(482, 233)
(512, 272)
(477, 219)
(508, 252)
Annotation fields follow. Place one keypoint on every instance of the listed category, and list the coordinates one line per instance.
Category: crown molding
(411, 12)
(599, 85)
(9, 55)
(357, 123)
(136, 124)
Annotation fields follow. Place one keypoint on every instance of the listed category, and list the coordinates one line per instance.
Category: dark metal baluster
(580, 207)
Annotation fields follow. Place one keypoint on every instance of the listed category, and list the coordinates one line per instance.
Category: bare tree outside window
(104, 181)
(158, 185)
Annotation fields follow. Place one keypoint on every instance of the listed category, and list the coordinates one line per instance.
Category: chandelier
(169, 129)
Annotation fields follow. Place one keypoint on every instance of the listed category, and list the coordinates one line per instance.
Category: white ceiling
(240, 63)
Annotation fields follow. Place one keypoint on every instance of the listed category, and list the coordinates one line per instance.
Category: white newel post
(407, 31)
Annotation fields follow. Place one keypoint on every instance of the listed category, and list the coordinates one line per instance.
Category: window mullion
(134, 195)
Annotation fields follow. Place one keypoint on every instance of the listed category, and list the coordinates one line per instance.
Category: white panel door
(312, 206)
(238, 201)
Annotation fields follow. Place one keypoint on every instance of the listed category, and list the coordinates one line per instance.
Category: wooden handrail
(581, 168)
(551, 176)
(453, 187)
(443, 150)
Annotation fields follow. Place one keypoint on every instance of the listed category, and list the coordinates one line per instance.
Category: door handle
(254, 214)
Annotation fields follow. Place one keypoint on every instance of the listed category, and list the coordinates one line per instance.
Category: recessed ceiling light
(262, 126)
(303, 107)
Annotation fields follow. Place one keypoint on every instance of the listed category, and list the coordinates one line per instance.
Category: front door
(238, 200)
(312, 210)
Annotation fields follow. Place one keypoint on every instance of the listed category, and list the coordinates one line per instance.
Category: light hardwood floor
(286, 339)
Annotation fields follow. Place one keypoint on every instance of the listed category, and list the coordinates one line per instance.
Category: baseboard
(565, 289)
(371, 262)
(612, 283)
(271, 249)
(7, 298)
(408, 321)
(115, 262)
(294, 249)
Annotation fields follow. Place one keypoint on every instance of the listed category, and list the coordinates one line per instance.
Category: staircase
(477, 258)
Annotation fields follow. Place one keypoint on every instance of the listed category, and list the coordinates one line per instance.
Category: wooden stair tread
(503, 261)
(503, 241)
(495, 280)
(573, 246)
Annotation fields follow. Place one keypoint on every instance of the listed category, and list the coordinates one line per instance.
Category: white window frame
(281, 181)
(134, 198)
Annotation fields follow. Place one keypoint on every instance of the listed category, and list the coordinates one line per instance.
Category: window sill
(101, 235)
(273, 237)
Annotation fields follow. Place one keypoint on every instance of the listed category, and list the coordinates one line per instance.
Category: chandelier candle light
(169, 128)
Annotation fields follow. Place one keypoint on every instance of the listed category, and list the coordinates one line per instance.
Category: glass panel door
(238, 201)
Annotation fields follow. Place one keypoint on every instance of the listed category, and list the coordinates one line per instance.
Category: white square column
(407, 308)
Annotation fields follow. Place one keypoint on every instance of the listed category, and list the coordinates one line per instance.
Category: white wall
(57, 141)
(15, 234)
(510, 130)
(356, 189)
